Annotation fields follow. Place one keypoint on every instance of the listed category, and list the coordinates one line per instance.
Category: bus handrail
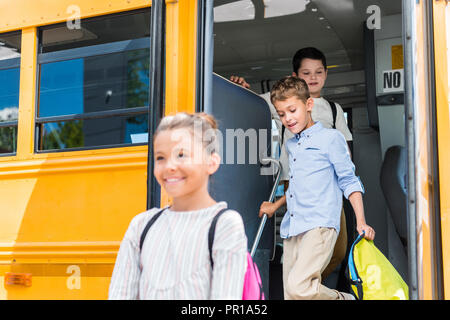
(271, 198)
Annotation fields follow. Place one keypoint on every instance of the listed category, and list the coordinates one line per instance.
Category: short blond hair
(289, 87)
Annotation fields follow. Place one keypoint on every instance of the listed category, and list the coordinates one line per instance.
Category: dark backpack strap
(212, 230)
(283, 128)
(334, 111)
(149, 224)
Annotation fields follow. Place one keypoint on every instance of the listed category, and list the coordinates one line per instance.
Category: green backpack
(371, 275)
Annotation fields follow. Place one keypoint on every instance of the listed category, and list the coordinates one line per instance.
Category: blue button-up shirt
(320, 171)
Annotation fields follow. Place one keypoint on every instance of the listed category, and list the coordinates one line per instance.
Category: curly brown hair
(289, 87)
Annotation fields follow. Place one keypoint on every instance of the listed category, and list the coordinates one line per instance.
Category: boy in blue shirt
(310, 64)
(320, 171)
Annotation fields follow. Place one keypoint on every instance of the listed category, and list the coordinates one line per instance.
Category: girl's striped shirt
(174, 262)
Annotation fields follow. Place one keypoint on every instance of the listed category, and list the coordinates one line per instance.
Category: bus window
(93, 82)
(9, 91)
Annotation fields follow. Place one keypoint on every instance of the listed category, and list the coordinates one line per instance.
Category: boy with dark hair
(317, 181)
(308, 52)
(310, 65)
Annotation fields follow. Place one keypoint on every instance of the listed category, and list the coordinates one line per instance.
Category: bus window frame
(7, 64)
(10, 63)
(205, 55)
(157, 90)
(84, 52)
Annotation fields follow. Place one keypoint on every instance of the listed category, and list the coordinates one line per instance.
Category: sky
(9, 93)
(61, 88)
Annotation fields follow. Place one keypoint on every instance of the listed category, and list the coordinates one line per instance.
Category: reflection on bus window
(92, 132)
(9, 90)
(94, 88)
(107, 82)
(100, 30)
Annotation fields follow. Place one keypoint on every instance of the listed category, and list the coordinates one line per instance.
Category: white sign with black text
(393, 80)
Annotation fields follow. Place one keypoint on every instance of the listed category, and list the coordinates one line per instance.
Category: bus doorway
(362, 42)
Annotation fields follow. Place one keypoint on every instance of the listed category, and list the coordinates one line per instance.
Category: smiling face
(295, 114)
(314, 73)
(182, 167)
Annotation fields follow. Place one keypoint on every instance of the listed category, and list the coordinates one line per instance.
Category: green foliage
(8, 139)
(137, 82)
(63, 135)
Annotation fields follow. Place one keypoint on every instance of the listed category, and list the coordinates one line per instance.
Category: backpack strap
(354, 277)
(212, 230)
(334, 111)
(283, 129)
(149, 224)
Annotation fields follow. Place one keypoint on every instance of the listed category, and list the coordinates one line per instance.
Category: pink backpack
(252, 281)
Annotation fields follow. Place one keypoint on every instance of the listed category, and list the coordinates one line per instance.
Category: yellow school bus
(83, 85)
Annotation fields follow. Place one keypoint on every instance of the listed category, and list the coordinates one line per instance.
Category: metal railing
(271, 198)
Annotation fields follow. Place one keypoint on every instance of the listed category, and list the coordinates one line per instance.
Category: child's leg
(340, 248)
(289, 257)
(308, 255)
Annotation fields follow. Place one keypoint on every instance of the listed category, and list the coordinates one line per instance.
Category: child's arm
(358, 207)
(125, 278)
(270, 208)
(348, 182)
(229, 257)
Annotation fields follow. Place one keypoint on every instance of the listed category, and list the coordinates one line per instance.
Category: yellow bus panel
(64, 214)
(441, 11)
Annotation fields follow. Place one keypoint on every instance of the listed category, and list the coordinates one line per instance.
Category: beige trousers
(340, 248)
(305, 257)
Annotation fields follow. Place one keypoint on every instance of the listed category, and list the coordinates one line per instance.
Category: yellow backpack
(371, 275)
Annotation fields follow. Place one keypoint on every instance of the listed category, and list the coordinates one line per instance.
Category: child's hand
(268, 208)
(369, 233)
(240, 81)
